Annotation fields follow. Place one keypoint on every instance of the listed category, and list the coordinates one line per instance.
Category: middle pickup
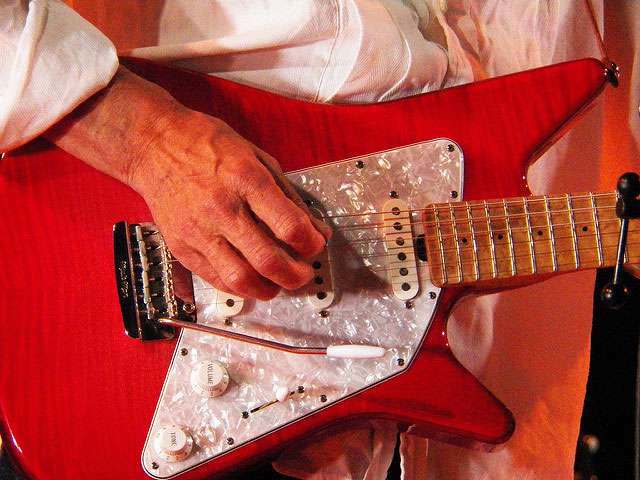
(398, 240)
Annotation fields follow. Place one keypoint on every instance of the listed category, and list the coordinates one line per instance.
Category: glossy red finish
(77, 395)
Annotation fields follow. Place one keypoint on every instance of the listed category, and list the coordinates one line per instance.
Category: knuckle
(266, 259)
(292, 228)
(237, 279)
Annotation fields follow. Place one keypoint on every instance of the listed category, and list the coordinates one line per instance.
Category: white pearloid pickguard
(364, 311)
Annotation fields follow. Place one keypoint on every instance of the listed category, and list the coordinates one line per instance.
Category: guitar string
(490, 203)
(423, 269)
(466, 220)
(414, 236)
(462, 244)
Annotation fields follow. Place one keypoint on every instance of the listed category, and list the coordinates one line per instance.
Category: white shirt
(530, 346)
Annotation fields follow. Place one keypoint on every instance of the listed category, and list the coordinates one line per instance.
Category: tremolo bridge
(145, 279)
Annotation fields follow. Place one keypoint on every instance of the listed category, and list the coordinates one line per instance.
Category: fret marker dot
(319, 280)
(464, 240)
(316, 265)
(585, 228)
(500, 236)
(540, 232)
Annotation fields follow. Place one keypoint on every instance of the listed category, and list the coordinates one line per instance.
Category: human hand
(225, 209)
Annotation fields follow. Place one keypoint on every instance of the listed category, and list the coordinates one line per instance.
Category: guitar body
(77, 396)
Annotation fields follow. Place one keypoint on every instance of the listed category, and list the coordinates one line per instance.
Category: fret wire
(572, 221)
(436, 217)
(552, 239)
(596, 224)
(492, 246)
(512, 253)
(474, 244)
(532, 248)
(454, 228)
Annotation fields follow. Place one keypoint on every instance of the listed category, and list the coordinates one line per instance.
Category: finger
(290, 191)
(264, 254)
(287, 221)
(234, 271)
(196, 263)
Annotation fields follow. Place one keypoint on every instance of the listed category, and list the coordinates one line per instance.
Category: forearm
(112, 131)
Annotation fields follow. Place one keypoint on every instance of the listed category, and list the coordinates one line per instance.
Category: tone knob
(210, 378)
(173, 443)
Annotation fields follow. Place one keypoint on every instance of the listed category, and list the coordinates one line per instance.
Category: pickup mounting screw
(189, 308)
(230, 441)
(184, 352)
(400, 362)
(323, 398)
(454, 194)
(155, 466)
(360, 164)
(432, 295)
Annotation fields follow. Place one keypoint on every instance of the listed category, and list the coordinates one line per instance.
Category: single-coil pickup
(398, 239)
(226, 305)
(320, 292)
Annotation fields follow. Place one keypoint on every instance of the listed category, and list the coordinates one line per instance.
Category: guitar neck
(476, 241)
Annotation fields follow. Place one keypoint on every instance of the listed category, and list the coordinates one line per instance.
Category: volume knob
(173, 443)
(210, 378)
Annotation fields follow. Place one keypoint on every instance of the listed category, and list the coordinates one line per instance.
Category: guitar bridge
(145, 282)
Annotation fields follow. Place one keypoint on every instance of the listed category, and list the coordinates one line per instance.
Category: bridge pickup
(401, 260)
(145, 281)
(320, 293)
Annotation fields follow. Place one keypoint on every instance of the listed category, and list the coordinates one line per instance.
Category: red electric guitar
(80, 399)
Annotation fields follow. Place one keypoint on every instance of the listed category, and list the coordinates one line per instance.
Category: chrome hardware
(145, 281)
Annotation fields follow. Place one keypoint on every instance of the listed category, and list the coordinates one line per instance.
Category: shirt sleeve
(51, 60)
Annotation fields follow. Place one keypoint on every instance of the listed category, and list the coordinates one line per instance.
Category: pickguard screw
(324, 313)
(228, 322)
(308, 202)
(184, 352)
(189, 308)
(408, 304)
(230, 302)
(454, 194)
(450, 147)
(245, 414)
(155, 466)
(300, 389)
(432, 295)
(400, 362)
(230, 441)
(323, 398)
(360, 164)
(393, 194)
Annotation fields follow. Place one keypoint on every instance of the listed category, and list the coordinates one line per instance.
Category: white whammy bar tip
(355, 351)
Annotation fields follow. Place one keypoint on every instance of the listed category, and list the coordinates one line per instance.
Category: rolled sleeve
(51, 60)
